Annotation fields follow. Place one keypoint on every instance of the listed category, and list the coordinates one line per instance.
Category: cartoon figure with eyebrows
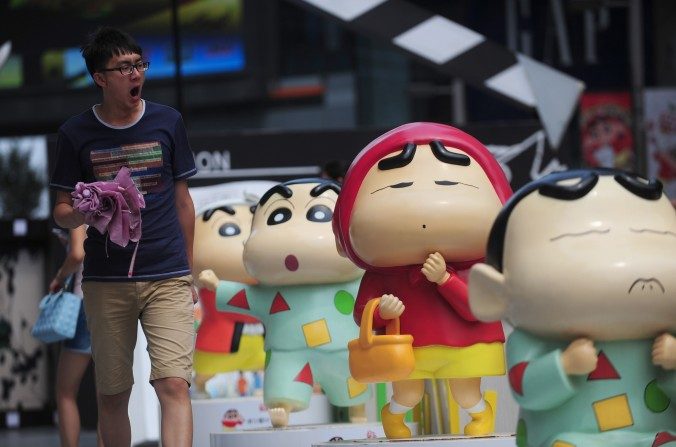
(414, 212)
(225, 341)
(305, 298)
(582, 264)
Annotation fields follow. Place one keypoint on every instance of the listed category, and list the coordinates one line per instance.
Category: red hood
(394, 141)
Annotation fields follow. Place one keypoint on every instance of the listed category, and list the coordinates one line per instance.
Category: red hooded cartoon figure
(415, 211)
(231, 419)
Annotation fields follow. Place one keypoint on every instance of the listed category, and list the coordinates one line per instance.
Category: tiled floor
(40, 437)
(48, 437)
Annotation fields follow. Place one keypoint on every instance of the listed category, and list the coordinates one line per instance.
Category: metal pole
(176, 31)
(635, 12)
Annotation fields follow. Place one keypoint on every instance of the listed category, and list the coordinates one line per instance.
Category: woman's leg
(71, 367)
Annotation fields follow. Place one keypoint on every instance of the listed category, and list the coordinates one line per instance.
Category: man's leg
(114, 419)
(176, 411)
(112, 315)
(168, 322)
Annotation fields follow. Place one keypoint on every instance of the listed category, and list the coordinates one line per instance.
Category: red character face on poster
(607, 142)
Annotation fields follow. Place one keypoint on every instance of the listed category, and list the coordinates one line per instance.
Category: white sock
(397, 408)
(478, 408)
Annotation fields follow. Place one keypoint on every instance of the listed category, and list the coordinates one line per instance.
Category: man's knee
(171, 387)
(114, 402)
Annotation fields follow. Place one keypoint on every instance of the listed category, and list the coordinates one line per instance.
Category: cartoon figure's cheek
(291, 263)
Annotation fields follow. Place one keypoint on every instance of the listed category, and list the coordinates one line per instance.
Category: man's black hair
(105, 43)
(550, 186)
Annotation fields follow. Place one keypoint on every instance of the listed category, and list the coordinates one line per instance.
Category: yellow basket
(380, 358)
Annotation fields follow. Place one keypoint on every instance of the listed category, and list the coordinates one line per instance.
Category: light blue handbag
(58, 316)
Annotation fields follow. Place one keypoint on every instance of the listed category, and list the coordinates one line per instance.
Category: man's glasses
(129, 69)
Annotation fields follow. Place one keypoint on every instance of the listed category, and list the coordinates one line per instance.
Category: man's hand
(434, 269)
(208, 279)
(664, 351)
(390, 307)
(195, 294)
(580, 357)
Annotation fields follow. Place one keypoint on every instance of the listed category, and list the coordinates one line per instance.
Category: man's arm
(64, 214)
(186, 216)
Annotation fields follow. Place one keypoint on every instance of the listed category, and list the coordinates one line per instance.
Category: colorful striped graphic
(144, 160)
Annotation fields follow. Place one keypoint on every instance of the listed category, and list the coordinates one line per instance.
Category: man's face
(292, 241)
(123, 90)
(219, 244)
(603, 266)
(402, 215)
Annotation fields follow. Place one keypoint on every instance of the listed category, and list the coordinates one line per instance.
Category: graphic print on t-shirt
(144, 160)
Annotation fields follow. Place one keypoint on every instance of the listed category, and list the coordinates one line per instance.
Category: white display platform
(496, 440)
(208, 416)
(300, 436)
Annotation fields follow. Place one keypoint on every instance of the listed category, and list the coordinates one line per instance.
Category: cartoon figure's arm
(452, 287)
(664, 355)
(538, 375)
(370, 287)
(230, 296)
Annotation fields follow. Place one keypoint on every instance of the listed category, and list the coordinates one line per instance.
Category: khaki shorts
(165, 309)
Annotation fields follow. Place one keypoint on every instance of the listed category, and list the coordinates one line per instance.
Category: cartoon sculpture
(225, 341)
(414, 212)
(582, 263)
(305, 298)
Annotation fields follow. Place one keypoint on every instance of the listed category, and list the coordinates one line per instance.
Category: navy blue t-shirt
(156, 150)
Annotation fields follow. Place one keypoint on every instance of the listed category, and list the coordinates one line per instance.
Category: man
(150, 139)
(582, 264)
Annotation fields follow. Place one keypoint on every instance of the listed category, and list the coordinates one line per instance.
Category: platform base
(496, 440)
(227, 414)
(300, 436)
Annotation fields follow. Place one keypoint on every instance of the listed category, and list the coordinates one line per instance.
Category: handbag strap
(44, 302)
(366, 326)
(67, 283)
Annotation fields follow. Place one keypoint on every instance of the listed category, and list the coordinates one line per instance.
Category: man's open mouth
(134, 92)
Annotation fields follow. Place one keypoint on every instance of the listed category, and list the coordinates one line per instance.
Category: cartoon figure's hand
(434, 268)
(208, 279)
(390, 307)
(580, 357)
(664, 351)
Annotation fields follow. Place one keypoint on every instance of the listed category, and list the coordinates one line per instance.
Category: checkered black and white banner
(463, 53)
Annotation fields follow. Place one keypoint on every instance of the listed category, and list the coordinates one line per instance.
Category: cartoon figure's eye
(319, 213)
(278, 216)
(229, 229)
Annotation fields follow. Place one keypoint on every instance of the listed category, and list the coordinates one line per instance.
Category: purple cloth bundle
(114, 207)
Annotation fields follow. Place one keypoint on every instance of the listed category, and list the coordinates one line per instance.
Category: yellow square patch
(613, 413)
(558, 443)
(316, 333)
(355, 388)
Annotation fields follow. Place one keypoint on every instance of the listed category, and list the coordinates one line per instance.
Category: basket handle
(366, 326)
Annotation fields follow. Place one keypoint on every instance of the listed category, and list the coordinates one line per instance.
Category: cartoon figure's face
(600, 266)
(403, 214)
(292, 240)
(219, 242)
(232, 418)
